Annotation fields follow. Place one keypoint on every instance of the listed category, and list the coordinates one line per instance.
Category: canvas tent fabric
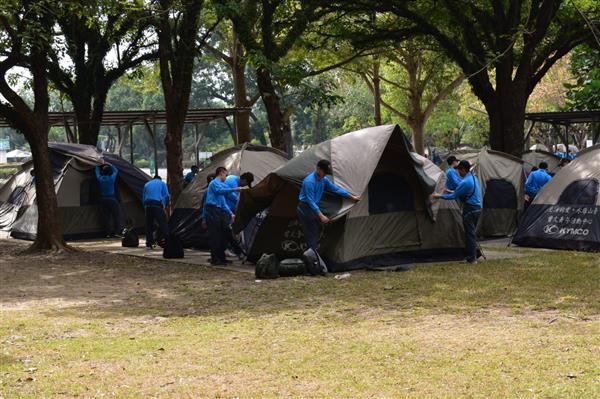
(502, 181)
(77, 192)
(395, 221)
(534, 158)
(185, 220)
(566, 212)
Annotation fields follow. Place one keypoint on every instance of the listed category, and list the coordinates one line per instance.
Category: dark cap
(451, 159)
(464, 165)
(325, 166)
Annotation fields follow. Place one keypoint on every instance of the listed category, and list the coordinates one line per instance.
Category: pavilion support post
(152, 133)
(566, 139)
(197, 143)
(120, 141)
(231, 130)
(595, 132)
(528, 136)
(131, 142)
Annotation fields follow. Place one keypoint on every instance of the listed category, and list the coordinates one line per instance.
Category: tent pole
(152, 132)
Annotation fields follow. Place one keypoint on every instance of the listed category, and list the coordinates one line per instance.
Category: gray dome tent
(185, 220)
(77, 193)
(533, 158)
(566, 212)
(394, 222)
(502, 182)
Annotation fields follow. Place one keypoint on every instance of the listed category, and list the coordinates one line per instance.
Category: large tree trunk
(48, 228)
(174, 153)
(507, 120)
(89, 118)
(238, 68)
(417, 128)
(279, 124)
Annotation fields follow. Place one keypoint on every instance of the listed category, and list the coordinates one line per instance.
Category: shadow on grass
(105, 285)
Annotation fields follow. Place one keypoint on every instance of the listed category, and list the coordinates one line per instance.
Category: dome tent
(534, 157)
(566, 212)
(394, 222)
(502, 182)
(77, 193)
(185, 220)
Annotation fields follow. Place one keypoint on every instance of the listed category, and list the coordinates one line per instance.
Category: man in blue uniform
(156, 197)
(536, 180)
(190, 175)
(468, 193)
(309, 213)
(233, 181)
(452, 177)
(218, 215)
(106, 175)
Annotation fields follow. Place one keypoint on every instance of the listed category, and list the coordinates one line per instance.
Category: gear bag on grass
(315, 265)
(173, 248)
(130, 239)
(267, 267)
(292, 267)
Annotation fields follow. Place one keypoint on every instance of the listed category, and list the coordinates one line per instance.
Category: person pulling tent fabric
(106, 175)
(469, 194)
(452, 177)
(309, 214)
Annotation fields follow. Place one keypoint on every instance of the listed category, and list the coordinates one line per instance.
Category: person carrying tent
(218, 215)
(155, 198)
(106, 175)
(469, 194)
(536, 180)
(191, 174)
(309, 213)
(453, 179)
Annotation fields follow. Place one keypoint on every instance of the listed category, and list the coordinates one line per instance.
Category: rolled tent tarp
(394, 222)
(566, 212)
(185, 220)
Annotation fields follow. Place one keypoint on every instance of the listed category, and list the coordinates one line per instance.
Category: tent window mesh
(89, 192)
(580, 192)
(389, 193)
(499, 194)
(16, 195)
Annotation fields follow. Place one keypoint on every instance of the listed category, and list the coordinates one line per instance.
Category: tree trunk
(174, 153)
(507, 121)
(238, 69)
(279, 125)
(319, 126)
(417, 128)
(376, 94)
(48, 228)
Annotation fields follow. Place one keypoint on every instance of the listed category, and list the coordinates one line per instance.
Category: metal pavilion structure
(124, 121)
(561, 123)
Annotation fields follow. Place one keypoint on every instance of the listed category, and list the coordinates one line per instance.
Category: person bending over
(106, 175)
(156, 197)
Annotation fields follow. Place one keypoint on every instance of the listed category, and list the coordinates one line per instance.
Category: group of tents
(395, 222)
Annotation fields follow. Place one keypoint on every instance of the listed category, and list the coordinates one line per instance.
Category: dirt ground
(94, 324)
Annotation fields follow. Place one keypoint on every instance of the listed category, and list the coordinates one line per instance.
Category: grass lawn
(99, 325)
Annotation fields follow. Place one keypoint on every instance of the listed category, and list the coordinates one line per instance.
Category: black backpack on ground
(267, 267)
(292, 267)
(130, 239)
(173, 248)
(315, 265)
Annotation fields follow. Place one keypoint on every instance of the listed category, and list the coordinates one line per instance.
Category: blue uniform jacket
(467, 191)
(232, 181)
(189, 177)
(453, 179)
(216, 196)
(156, 190)
(312, 190)
(107, 183)
(536, 180)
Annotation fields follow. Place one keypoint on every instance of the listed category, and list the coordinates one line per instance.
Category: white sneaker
(229, 254)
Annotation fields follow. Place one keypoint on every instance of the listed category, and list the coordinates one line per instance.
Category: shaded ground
(98, 324)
